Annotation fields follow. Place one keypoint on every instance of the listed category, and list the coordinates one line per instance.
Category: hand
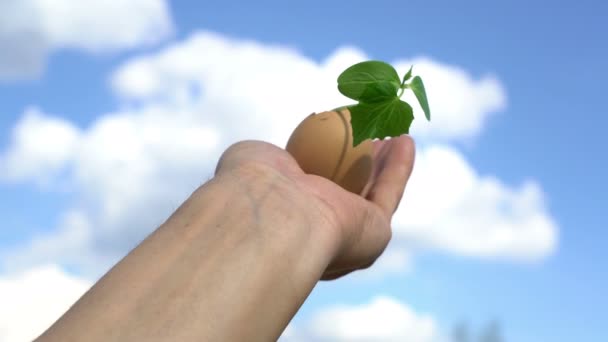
(194, 267)
(362, 223)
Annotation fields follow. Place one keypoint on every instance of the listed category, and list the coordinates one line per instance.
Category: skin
(238, 258)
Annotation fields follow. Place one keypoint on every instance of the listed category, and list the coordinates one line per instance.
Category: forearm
(234, 263)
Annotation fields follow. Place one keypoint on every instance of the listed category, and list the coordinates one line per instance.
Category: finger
(394, 172)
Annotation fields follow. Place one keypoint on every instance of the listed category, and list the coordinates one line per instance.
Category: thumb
(394, 170)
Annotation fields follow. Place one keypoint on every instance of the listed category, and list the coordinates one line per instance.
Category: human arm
(239, 257)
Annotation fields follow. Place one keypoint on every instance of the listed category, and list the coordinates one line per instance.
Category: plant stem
(403, 87)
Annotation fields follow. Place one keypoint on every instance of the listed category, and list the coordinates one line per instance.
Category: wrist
(277, 195)
(290, 244)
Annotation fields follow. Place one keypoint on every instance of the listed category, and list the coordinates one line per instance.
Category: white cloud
(33, 300)
(248, 89)
(249, 80)
(448, 206)
(43, 145)
(68, 245)
(384, 319)
(186, 103)
(30, 29)
(130, 156)
(131, 169)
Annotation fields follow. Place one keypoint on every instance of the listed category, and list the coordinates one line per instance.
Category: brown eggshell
(323, 145)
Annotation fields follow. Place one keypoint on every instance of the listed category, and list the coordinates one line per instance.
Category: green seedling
(380, 112)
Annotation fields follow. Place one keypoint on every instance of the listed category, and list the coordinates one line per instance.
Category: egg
(322, 144)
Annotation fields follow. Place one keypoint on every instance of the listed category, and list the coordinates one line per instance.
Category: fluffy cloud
(264, 85)
(183, 105)
(383, 319)
(33, 300)
(130, 169)
(43, 146)
(30, 29)
(448, 206)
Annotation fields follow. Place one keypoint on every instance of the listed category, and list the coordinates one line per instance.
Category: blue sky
(548, 59)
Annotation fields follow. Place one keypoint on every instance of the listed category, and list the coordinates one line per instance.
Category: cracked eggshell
(322, 144)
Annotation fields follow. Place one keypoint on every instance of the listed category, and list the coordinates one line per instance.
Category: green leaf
(370, 81)
(407, 76)
(390, 118)
(379, 92)
(418, 88)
